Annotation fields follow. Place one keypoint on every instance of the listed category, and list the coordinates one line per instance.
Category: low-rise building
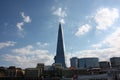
(19, 72)
(104, 65)
(11, 71)
(32, 72)
(40, 67)
(57, 65)
(3, 72)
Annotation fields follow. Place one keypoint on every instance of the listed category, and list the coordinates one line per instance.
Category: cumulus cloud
(28, 56)
(112, 40)
(20, 25)
(105, 17)
(24, 50)
(61, 14)
(25, 18)
(82, 30)
(62, 21)
(7, 44)
(102, 54)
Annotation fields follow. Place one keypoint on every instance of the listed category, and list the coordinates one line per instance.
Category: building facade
(115, 62)
(60, 55)
(88, 63)
(40, 67)
(74, 62)
(32, 72)
(104, 65)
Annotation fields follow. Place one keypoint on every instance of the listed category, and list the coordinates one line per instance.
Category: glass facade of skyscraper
(88, 63)
(60, 56)
(115, 62)
(74, 62)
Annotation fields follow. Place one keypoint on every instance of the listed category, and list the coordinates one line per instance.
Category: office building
(115, 62)
(32, 72)
(11, 71)
(3, 72)
(74, 62)
(88, 63)
(57, 65)
(60, 55)
(40, 67)
(104, 65)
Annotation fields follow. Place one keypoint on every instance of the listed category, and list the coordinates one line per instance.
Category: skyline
(28, 30)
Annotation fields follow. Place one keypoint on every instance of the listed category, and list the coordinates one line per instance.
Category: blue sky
(28, 30)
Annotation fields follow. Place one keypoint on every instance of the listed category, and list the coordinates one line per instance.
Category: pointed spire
(59, 24)
(60, 58)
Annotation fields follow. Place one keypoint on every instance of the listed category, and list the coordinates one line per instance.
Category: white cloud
(112, 40)
(29, 56)
(26, 18)
(60, 12)
(20, 26)
(102, 54)
(24, 50)
(62, 21)
(97, 46)
(105, 17)
(42, 44)
(7, 44)
(82, 30)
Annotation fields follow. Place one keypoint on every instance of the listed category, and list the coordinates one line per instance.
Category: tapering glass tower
(60, 57)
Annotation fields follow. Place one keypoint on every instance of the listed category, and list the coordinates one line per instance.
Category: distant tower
(60, 57)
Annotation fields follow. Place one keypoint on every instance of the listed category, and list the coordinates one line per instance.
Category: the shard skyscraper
(60, 57)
